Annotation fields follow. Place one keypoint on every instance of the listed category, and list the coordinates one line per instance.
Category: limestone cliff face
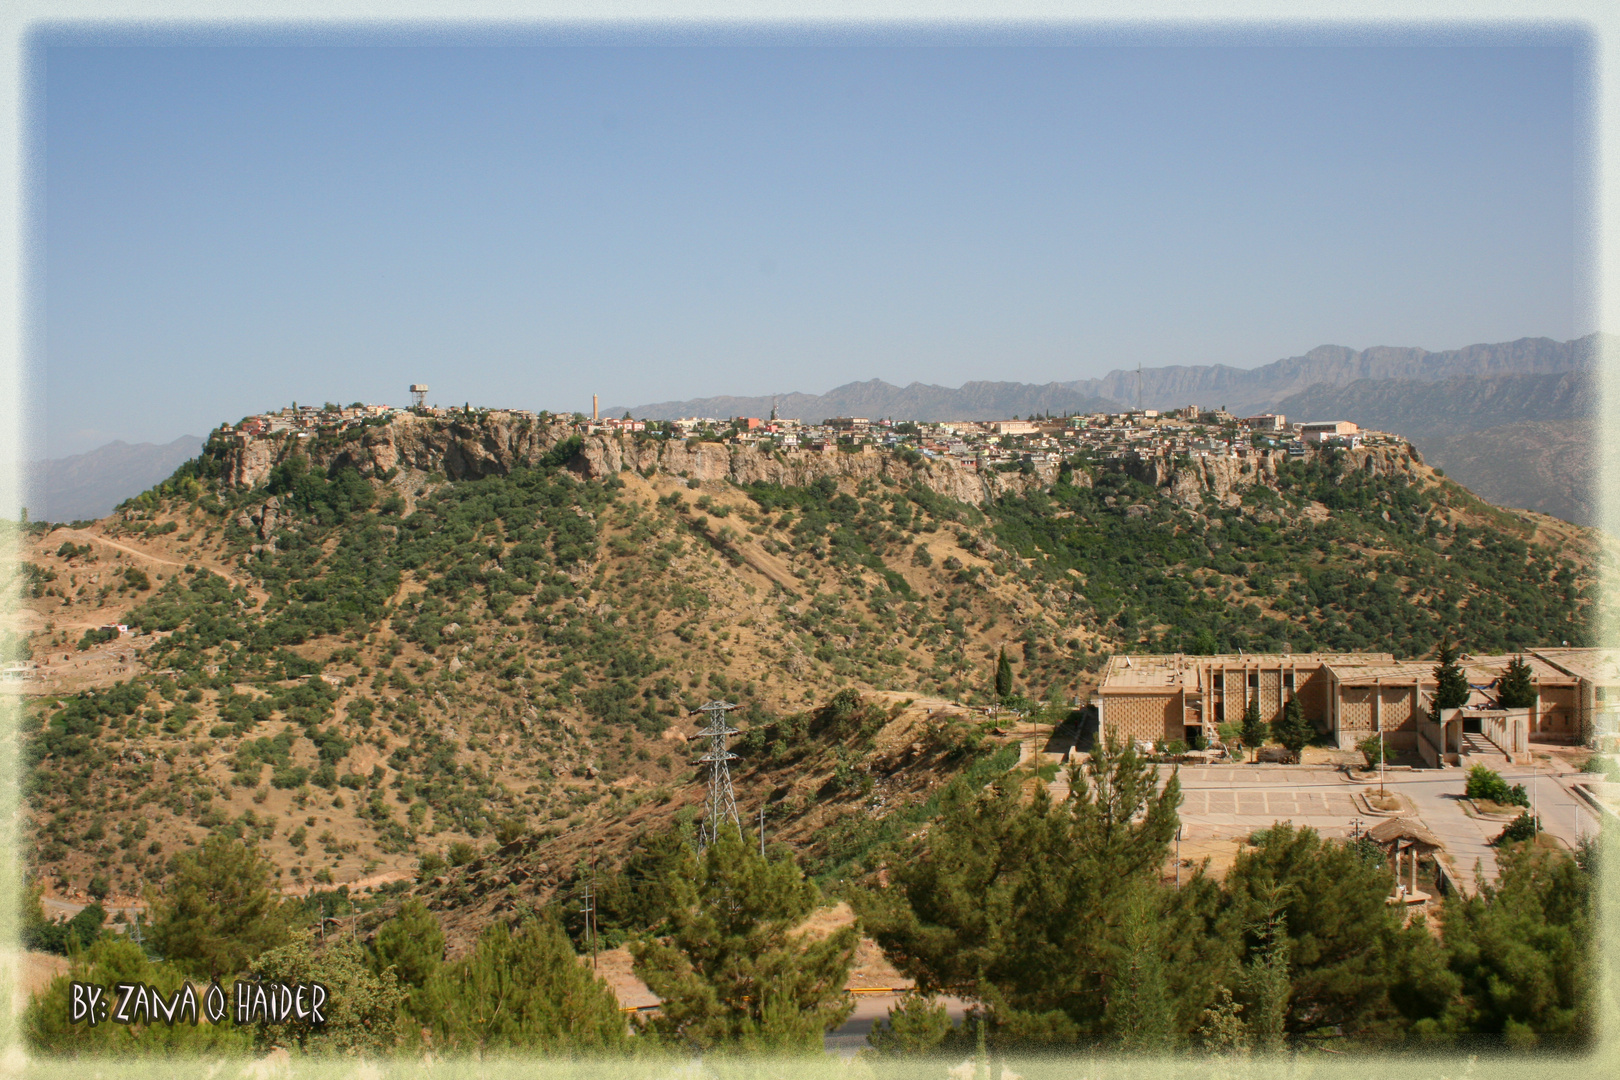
(494, 443)
(1188, 481)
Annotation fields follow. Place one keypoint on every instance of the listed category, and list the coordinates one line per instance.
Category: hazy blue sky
(229, 229)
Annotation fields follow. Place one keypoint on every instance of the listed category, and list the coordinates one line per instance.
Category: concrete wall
(1311, 688)
(1430, 743)
(1557, 715)
(1355, 712)
(1509, 730)
(1147, 716)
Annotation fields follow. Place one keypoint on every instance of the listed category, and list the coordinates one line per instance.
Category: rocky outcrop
(263, 520)
(495, 443)
(1187, 481)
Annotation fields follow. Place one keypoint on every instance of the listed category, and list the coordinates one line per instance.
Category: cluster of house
(1351, 696)
(1138, 433)
(1189, 432)
(305, 420)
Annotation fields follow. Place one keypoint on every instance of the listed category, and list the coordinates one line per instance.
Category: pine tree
(917, 1024)
(410, 943)
(1267, 984)
(1139, 1010)
(991, 902)
(1523, 949)
(1452, 691)
(1004, 676)
(523, 991)
(1320, 942)
(732, 973)
(1222, 1030)
(1515, 691)
(218, 913)
(48, 1029)
(411, 946)
(1292, 729)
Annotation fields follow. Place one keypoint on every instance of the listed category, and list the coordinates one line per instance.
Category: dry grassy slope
(599, 778)
(750, 616)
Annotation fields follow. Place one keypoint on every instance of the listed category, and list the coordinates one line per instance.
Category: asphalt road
(850, 1038)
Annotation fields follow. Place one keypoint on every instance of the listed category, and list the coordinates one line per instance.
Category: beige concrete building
(1322, 430)
(1350, 696)
(1159, 698)
(1588, 712)
(1367, 694)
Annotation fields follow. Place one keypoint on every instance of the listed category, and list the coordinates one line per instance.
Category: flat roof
(1389, 670)
(1136, 672)
(1599, 666)
(1484, 669)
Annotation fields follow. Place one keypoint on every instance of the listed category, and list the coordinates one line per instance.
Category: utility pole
(588, 910)
(1178, 856)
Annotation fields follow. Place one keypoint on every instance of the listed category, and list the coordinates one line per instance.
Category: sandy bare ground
(36, 972)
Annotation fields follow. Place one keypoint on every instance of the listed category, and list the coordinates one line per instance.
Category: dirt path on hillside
(95, 538)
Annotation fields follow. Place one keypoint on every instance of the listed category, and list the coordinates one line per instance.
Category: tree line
(1056, 919)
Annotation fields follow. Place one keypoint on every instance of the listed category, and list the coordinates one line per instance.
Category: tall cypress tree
(1452, 691)
(1292, 729)
(1254, 729)
(1004, 676)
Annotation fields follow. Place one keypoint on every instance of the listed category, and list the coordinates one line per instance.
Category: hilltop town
(1003, 445)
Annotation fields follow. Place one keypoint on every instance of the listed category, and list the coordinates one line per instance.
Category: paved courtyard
(1229, 802)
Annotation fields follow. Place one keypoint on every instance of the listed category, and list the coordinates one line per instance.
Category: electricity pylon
(722, 801)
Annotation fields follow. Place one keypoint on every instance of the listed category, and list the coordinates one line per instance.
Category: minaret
(594, 417)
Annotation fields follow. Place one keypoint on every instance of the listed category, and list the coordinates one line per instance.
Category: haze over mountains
(1240, 390)
(1508, 420)
(87, 486)
(1517, 440)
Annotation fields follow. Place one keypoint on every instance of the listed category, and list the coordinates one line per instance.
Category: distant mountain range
(1263, 388)
(1516, 440)
(87, 486)
(1549, 466)
(1426, 409)
(876, 398)
(1510, 421)
(1240, 390)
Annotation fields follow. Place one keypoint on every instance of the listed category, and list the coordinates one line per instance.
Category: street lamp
(1382, 794)
(1535, 790)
